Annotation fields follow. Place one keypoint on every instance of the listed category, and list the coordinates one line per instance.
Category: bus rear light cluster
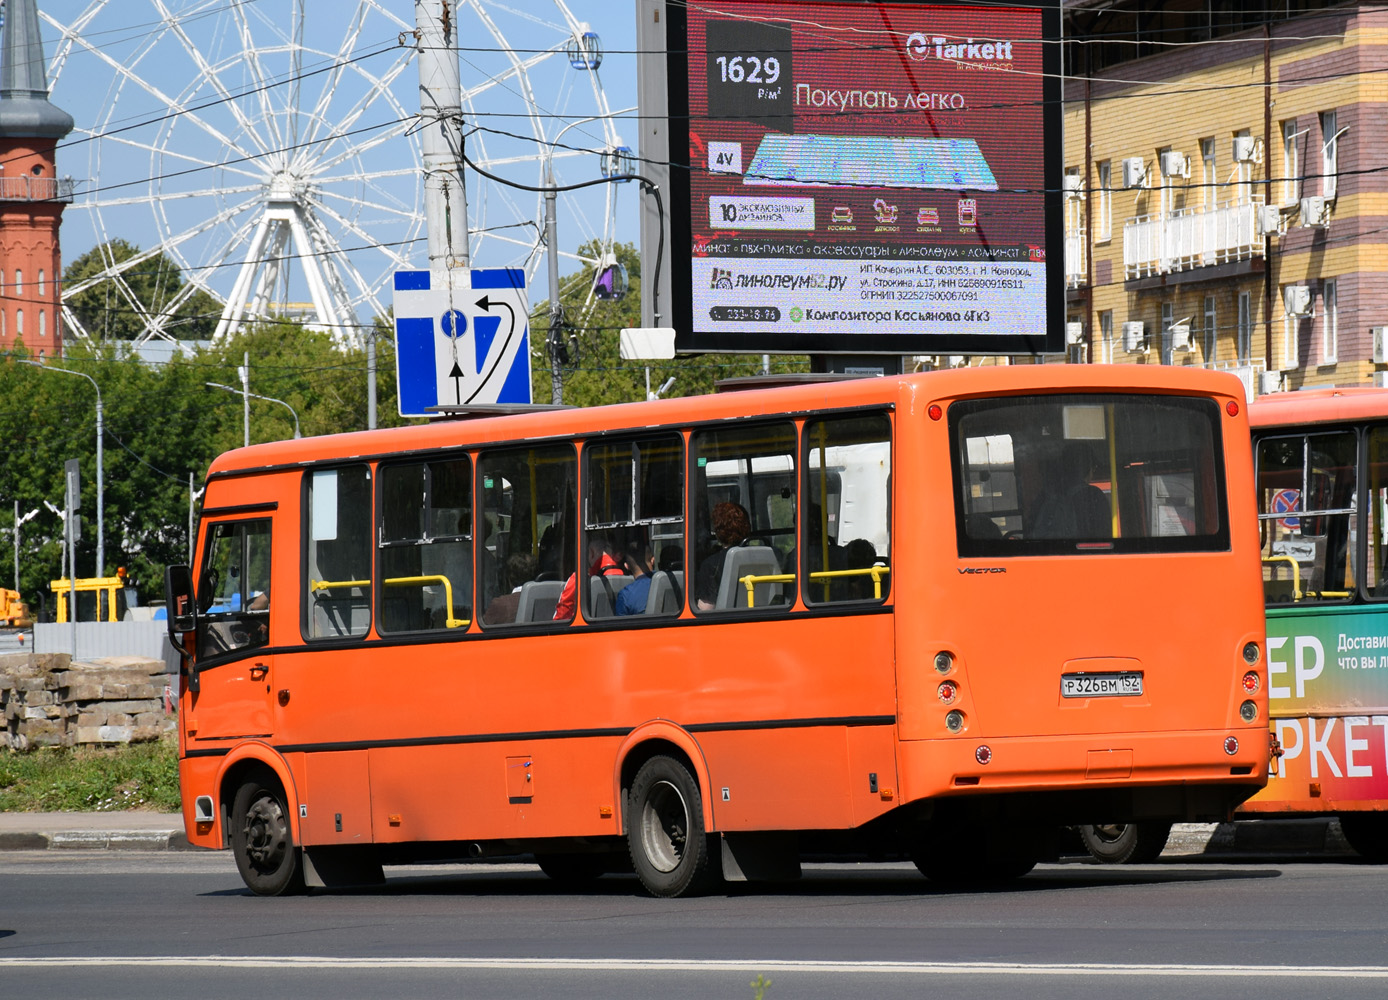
(1250, 653)
(983, 754)
(954, 721)
(1251, 683)
(1231, 745)
(947, 692)
(944, 663)
(1248, 711)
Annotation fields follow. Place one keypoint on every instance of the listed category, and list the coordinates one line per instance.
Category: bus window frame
(249, 619)
(305, 539)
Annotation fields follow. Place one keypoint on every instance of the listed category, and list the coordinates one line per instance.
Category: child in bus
(640, 563)
(731, 526)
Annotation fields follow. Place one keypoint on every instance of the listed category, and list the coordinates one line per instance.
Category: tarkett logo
(722, 278)
(920, 46)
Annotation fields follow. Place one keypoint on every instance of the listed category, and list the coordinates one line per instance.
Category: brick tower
(31, 195)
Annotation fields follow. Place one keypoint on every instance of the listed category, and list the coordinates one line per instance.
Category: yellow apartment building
(1226, 188)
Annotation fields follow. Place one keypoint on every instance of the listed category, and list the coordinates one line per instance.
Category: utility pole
(245, 372)
(441, 138)
(556, 308)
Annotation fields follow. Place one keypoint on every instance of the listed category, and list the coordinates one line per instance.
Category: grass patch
(91, 779)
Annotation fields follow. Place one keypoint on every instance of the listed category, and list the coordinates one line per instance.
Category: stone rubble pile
(47, 700)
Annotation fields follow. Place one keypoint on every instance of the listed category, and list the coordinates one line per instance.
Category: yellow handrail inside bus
(1296, 574)
(876, 572)
(401, 581)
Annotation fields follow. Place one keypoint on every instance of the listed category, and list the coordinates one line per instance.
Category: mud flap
(342, 866)
(761, 857)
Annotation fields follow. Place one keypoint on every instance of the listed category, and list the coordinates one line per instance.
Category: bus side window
(742, 546)
(1306, 512)
(426, 546)
(1376, 567)
(337, 537)
(526, 554)
(234, 588)
(633, 502)
(847, 514)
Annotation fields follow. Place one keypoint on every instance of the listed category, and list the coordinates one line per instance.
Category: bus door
(235, 672)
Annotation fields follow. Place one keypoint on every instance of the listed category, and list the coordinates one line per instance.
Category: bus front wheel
(261, 839)
(670, 850)
(1125, 843)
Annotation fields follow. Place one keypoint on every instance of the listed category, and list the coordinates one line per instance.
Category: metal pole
(441, 138)
(245, 372)
(370, 381)
(190, 518)
(556, 309)
(16, 545)
(100, 495)
(72, 579)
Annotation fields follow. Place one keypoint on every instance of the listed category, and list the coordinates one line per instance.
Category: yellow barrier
(876, 572)
(401, 581)
(1296, 574)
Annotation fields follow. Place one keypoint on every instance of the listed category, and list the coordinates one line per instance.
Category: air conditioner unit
(1074, 333)
(1314, 211)
(958, 361)
(1074, 186)
(1296, 300)
(1270, 220)
(1269, 382)
(1180, 337)
(1380, 335)
(1175, 165)
(1134, 173)
(1134, 340)
(1247, 149)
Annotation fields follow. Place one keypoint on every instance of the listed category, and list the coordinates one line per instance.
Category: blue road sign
(461, 337)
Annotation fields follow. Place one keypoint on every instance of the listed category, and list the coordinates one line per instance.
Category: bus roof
(1318, 406)
(913, 391)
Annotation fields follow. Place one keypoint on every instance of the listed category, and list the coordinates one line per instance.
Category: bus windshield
(1059, 474)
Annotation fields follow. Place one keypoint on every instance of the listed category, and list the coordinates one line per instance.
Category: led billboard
(865, 177)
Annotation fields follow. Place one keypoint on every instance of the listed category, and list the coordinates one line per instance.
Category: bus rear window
(1084, 474)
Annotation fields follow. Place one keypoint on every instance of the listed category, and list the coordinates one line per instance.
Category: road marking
(706, 965)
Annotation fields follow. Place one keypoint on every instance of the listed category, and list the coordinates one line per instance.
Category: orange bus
(1322, 468)
(887, 615)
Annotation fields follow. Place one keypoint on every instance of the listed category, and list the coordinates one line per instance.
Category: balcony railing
(1191, 238)
(27, 188)
(1076, 262)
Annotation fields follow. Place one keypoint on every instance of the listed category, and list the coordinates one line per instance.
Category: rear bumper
(1139, 773)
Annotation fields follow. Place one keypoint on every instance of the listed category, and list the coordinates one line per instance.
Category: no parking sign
(461, 337)
(1284, 501)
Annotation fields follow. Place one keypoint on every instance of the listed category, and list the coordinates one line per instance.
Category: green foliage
(89, 779)
(117, 307)
(597, 374)
(761, 984)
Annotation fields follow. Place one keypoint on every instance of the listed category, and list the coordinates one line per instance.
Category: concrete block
(41, 698)
(150, 719)
(85, 691)
(145, 734)
(115, 734)
(32, 712)
(90, 720)
(118, 719)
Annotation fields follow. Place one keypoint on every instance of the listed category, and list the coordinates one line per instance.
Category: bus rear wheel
(1125, 843)
(670, 850)
(1367, 833)
(261, 838)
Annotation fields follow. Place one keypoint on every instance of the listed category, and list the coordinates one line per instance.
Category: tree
(596, 373)
(118, 307)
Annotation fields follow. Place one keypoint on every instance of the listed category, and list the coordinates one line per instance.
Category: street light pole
(17, 522)
(251, 395)
(245, 372)
(100, 476)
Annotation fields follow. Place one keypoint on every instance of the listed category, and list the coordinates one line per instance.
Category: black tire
(261, 837)
(574, 869)
(671, 852)
(1125, 843)
(953, 859)
(1367, 833)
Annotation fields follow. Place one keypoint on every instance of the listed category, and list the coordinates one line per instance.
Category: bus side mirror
(178, 599)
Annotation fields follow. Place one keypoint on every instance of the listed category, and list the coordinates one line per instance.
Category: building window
(1167, 318)
(1245, 169)
(1290, 323)
(41, 283)
(1106, 337)
(1330, 324)
(1290, 180)
(1103, 220)
(43, 324)
(18, 284)
(1209, 174)
(1330, 154)
(19, 322)
(1245, 335)
(1211, 342)
(1074, 208)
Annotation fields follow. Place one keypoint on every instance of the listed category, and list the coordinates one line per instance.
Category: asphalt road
(109, 924)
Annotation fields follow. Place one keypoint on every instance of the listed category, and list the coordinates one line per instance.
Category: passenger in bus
(672, 559)
(520, 568)
(1074, 508)
(601, 562)
(731, 526)
(640, 563)
(859, 554)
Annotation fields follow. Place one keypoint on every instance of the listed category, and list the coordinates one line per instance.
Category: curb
(96, 840)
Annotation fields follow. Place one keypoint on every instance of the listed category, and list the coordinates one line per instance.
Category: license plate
(1100, 685)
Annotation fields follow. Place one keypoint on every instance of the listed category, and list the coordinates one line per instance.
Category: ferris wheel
(267, 147)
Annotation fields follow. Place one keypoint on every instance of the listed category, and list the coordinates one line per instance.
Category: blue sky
(179, 127)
